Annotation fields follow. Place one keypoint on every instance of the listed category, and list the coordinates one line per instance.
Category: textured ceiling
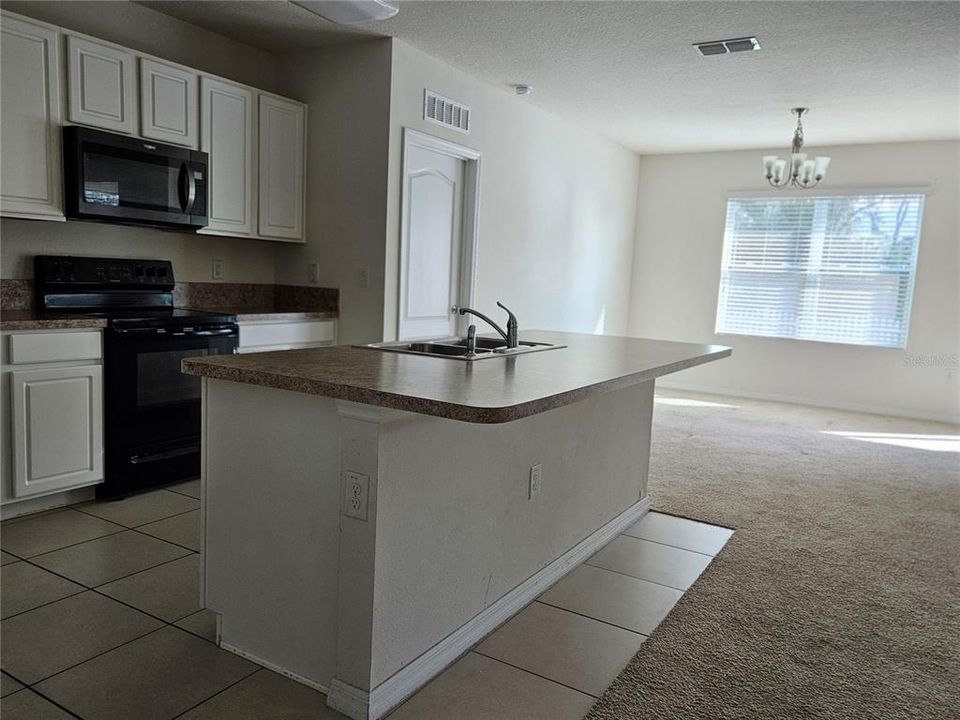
(869, 71)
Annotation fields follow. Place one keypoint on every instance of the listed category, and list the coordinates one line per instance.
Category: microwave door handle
(188, 188)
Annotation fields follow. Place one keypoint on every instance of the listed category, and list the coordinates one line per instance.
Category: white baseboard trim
(401, 685)
(349, 700)
(272, 666)
(776, 397)
(27, 506)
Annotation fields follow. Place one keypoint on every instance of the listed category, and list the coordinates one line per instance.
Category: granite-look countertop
(42, 320)
(493, 390)
(257, 314)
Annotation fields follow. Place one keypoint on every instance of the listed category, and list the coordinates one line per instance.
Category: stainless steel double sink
(455, 348)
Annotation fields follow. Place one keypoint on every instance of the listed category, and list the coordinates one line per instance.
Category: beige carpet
(837, 596)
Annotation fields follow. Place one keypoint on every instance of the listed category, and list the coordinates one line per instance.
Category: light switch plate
(356, 491)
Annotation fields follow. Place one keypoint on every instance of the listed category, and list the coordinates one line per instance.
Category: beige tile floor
(102, 621)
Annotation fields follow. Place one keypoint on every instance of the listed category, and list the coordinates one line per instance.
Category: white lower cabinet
(57, 428)
(52, 415)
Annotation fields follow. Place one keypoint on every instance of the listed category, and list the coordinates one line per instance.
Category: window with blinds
(836, 268)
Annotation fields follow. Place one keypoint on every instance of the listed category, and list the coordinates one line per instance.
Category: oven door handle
(138, 331)
(187, 188)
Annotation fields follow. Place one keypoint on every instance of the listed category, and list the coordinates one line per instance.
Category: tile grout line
(83, 589)
(166, 625)
(223, 690)
(122, 528)
(675, 547)
(530, 672)
(134, 527)
(33, 685)
(27, 688)
(146, 534)
(599, 620)
(601, 567)
(93, 588)
(181, 493)
(81, 542)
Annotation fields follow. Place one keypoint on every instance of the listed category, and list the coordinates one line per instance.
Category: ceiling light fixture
(350, 12)
(803, 173)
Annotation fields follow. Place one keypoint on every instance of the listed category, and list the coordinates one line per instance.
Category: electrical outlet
(314, 272)
(364, 278)
(536, 481)
(216, 269)
(356, 490)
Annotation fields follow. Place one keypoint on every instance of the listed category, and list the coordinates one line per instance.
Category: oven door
(152, 410)
(115, 178)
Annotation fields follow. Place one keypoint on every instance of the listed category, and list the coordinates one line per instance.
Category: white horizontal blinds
(833, 269)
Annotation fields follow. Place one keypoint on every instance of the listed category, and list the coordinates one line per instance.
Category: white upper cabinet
(168, 103)
(31, 183)
(100, 84)
(281, 178)
(228, 136)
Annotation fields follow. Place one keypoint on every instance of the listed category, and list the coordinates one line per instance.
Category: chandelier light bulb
(804, 172)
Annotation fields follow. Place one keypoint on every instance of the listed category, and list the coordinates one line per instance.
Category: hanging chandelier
(802, 173)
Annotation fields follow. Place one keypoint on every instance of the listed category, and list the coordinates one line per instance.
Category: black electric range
(151, 409)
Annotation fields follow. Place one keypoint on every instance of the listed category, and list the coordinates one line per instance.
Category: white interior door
(431, 242)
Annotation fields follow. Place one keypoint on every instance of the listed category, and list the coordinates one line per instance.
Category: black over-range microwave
(121, 179)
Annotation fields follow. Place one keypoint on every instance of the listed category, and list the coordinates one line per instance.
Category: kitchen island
(368, 516)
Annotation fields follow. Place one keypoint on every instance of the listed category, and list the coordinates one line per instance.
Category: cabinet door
(30, 164)
(168, 103)
(227, 135)
(281, 159)
(57, 428)
(100, 84)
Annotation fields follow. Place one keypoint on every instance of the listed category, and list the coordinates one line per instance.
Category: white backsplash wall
(676, 276)
(244, 261)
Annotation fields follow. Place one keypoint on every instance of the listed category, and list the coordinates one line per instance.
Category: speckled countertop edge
(210, 368)
(31, 320)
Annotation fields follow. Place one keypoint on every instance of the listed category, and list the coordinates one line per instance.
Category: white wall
(557, 205)
(347, 88)
(676, 274)
(152, 32)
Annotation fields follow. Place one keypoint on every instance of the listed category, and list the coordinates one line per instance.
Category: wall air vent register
(446, 112)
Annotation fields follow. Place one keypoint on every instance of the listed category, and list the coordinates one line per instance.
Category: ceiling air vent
(446, 112)
(723, 47)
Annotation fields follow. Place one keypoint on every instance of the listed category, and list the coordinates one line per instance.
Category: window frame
(923, 190)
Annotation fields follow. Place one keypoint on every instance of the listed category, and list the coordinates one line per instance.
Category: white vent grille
(446, 112)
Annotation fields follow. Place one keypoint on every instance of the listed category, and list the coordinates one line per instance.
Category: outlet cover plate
(356, 492)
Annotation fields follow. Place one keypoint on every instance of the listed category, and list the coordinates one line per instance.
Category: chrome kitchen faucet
(510, 335)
